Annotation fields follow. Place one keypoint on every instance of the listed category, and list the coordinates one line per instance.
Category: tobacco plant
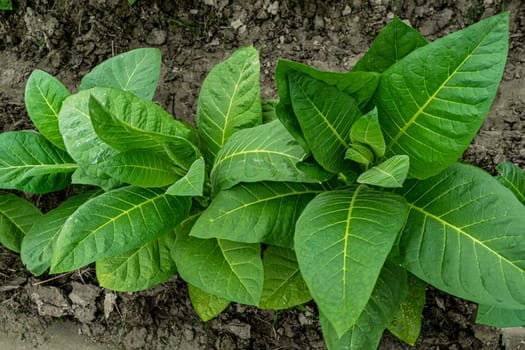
(346, 190)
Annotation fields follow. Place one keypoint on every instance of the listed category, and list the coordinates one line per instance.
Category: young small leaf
(140, 268)
(498, 317)
(206, 305)
(256, 212)
(263, 153)
(227, 269)
(360, 154)
(37, 245)
(141, 168)
(44, 95)
(391, 173)
(365, 333)
(115, 223)
(367, 131)
(432, 103)
(229, 100)
(407, 320)
(325, 116)
(512, 177)
(136, 71)
(342, 240)
(284, 286)
(394, 41)
(30, 163)
(464, 235)
(17, 216)
(191, 184)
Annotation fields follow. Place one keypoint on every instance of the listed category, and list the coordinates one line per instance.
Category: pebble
(241, 330)
(156, 37)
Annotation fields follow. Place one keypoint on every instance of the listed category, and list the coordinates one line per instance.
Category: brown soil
(67, 38)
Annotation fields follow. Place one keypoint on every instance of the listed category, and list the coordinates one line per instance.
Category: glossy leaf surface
(367, 131)
(115, 223)
(342, 239)
(17, 216)
(432, 103)
(391, 173)
(30, 163)
(229, 100)
(191, 184)
(43, 98)
(136, 71)
(464, 235)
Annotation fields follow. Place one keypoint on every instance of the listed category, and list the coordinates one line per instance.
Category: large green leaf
(359, 85)
(30, 163)
(82, 177)
(142, 168)
(465, 235)
(136, 71)
(365, 333)
(263, 153)
(406, 324)
(325, 116)
(229, 100)
(342, 240)
(284, 286)
(227, 269)
(512, 177)
(17, 216)
(126, 122)
(206, 305)
(191, 184)
(115, 223)
(498, 317)
(37, 245)
(140, 268)
(394, 41)
(432, 103)
(44, 95)
(256, 212)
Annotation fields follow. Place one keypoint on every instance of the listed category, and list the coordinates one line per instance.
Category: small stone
(347, 10)
(188, 334)
(156, 37)
(136, 338)
(236, 24)
(110, 300)
(318, 22)
(273, 9)
(513, 338)
(241, 330)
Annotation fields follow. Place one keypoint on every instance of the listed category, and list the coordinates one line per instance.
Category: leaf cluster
(346, 190)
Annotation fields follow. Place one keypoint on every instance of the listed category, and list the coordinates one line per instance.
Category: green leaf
(126, 122)
(365, 333)
(498, 317)
(394, 41)
(268, 110)
(367, 131)
(115, 223)
(464, 235)
(391, 173)
(284, 286)
(141, 168)
(206, 305)
(342, 239)
(6, 5)
(512, 177)
(30, 163)
(16, 218)
(140, 268)
(229, 100)
(325, 116)
(256, 212)
(136, 71)
(44, 95)
(191, 184)
(263, 153)
(37, 245)
(182, 152)
(229, 270)
(432, 103)
(407, 321)
(360, 154)
(82, 177)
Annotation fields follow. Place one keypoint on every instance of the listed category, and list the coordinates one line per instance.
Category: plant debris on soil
(67, 38)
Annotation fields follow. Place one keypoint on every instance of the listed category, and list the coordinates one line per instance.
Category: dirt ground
(67, 37)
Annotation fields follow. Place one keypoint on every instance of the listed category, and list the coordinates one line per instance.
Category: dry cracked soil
(66, 38)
